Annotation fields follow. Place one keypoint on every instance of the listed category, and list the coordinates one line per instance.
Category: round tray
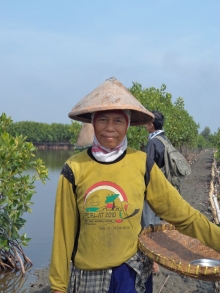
(180, 253)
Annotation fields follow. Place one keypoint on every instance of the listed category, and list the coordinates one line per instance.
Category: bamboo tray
(180, 253)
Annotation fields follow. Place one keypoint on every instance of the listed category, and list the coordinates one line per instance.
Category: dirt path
(195, 190)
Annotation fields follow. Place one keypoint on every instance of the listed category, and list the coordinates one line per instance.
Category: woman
(100, 198)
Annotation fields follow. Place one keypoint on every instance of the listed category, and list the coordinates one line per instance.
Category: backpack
(176, 166)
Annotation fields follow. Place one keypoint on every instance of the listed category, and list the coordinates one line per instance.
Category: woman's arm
(65, 229)
(168, 204)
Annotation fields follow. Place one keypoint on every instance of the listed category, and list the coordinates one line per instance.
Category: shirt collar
(153, 134)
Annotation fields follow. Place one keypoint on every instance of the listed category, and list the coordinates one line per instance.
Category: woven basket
(175, 251)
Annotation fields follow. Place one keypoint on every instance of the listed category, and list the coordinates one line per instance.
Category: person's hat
(111, 95)
(85, 137)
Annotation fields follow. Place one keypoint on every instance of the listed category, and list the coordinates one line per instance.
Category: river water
(39, 225)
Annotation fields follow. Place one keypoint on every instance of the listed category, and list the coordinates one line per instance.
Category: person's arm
(168, 204)
(65, 229)
(155, 150)
(150, 149)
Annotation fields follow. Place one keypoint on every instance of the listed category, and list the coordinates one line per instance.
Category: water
(39, 225)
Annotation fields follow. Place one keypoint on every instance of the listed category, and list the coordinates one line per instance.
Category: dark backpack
(176, 166)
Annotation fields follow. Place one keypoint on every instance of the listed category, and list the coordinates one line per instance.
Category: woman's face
(110, 128)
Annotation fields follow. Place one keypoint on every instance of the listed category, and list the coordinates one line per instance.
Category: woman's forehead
(110, 113)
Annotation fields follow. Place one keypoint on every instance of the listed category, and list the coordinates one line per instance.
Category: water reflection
(39, 225)
(12, 283)
(54, 159)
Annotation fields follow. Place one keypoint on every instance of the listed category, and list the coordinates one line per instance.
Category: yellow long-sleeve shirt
(100, 206)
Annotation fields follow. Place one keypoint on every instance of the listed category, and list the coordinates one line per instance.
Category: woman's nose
(110, 125)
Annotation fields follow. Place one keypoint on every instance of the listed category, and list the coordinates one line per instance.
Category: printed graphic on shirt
(105, 203)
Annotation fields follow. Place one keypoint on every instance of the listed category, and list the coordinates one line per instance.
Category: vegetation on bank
(16, 191)
(217, 145)
(179, 126)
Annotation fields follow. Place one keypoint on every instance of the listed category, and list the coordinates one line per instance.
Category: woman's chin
(110, 144)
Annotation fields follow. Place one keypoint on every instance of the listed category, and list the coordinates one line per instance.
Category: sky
(53, 53)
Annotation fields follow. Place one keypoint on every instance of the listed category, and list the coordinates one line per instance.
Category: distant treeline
(58, 135)
(37, 132)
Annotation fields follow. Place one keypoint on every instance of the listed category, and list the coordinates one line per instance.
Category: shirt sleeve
(65, 231)
(168, 204)
(150, 149)
(155, 150)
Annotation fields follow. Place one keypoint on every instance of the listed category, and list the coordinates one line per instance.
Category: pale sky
(53, 53)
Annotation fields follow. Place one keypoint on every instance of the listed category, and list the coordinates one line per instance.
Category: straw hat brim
(137, 118)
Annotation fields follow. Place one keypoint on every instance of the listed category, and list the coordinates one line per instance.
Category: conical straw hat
(110, 95)
(85, 137)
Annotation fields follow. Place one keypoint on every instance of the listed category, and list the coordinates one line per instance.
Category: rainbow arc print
(106, 203)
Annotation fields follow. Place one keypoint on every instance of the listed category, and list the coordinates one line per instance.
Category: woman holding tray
(99, 202)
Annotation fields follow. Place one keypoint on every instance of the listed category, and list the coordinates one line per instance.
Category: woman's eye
(102, 119)
(118, 121)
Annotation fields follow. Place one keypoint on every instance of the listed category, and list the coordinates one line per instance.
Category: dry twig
(164, 283)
